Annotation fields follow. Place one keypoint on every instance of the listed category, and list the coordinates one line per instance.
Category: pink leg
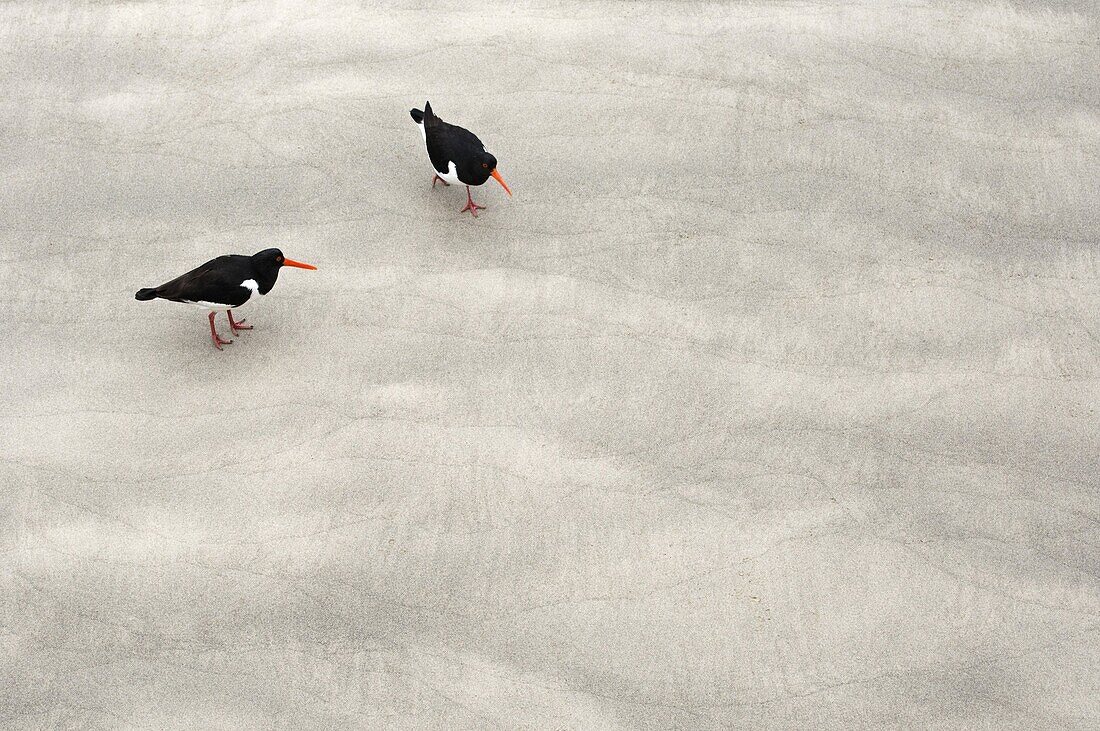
(437, 179)
(234, 325)
(218, 342)
(470, 205)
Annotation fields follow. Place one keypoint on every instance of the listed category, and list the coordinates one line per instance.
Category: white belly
(215, 307)
(451, 176)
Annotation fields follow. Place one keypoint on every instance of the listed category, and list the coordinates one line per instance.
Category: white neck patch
(251, 284)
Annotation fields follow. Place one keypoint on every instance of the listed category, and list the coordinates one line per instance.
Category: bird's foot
(472, 207)
(237, 325)
(437, 179)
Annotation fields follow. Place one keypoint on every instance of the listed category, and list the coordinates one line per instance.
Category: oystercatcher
(223, 284)
(457, 155)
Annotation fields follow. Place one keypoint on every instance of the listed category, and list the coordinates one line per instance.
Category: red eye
(484, 164)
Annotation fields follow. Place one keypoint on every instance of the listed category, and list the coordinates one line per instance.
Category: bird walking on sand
(457, 155)
(224, 283)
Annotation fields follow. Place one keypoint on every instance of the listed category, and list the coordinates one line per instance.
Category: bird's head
(273, 259)
(485, 167)
(267, 264)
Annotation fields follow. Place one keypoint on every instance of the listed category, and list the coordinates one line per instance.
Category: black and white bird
(224, 283)
(457, 155)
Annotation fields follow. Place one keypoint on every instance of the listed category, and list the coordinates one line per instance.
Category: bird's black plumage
(449, 143)
(220, 281)
(224, 283)
(457, 155)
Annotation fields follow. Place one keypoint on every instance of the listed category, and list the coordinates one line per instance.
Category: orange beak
(300, 265)
(500, 180)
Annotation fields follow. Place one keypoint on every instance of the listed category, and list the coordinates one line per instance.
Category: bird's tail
(417, 115)
(149, 293)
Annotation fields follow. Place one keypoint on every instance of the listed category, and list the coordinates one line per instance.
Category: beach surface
(770, 399)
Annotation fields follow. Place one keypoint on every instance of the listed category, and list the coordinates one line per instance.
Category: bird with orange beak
(457, 155)
(225, 283)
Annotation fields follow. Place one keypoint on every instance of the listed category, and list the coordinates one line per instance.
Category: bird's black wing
(448, 142)
(218, 280)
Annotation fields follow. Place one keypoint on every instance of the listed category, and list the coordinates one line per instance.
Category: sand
(770, 399)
